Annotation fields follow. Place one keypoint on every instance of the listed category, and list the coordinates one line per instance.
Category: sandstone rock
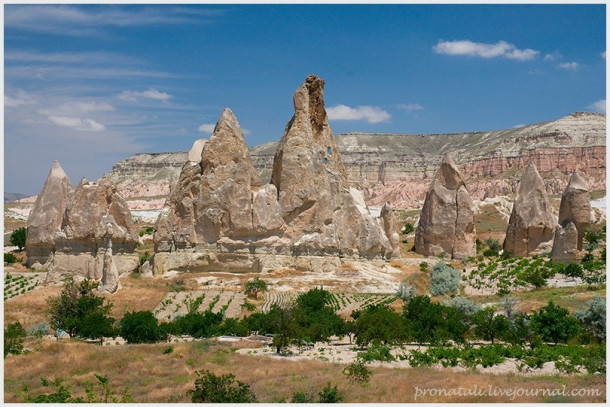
(95, 214)
(576, 206)
(194, 155)
(46, 217)
(319, 213)
(110, 274)
(220, 196)
(446, 222)
(530, 223)
(391, 228)
(565, 244)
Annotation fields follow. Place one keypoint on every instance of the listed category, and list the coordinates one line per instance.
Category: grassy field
(153, 376)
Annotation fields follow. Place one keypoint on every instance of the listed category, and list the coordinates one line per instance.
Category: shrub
(14, 334)
(493, 244)
(463, 305)
(210, 388)
(329, 394)
(433, 323)
(302, 397)
(140, 327)
(18, 237)
(444, 279)
(255, 286)
(573, 270)
(10, 258)
(39, 330)
(357, 372)
(67, 312)
(143, 257)
(593, 317)
(406, 291)
(97, 392)
(554, 324)
(168, 350)
(377, 352)
(408, 228)
(423, 266)
(508, 304)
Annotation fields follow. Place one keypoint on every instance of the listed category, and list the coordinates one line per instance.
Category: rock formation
(46, 217)
(574, 217)
(220, 216)
(391, 228)
(397, 167)
(110, 274)
(95, 214)
(530, 223)
(446, 223)
(320, 215)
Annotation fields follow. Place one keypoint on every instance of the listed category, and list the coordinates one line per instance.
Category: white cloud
(371, 114)
(410, 107)
(603, 55)
(569, 66)
(77, 123)
(518, 126)
(478, 49)
(206, 128)
(21, 98)
(134, 96)
(599, 106)
(72, 107)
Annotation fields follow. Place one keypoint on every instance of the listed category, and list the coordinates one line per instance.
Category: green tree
(96, 325)
(357, 372)
(18, 237)
(329, 394)
(14, 335)
(433, 323)
(140, 327)
(379, 323)
(315, 316)
(77, 300)
(255, 286)
(573, 270)
(489, 326)
(210, 388)
(444, 279)
(554, 323)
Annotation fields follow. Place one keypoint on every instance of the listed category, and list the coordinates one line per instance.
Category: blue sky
(90, 85)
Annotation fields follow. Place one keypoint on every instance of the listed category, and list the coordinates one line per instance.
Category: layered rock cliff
(398, 167)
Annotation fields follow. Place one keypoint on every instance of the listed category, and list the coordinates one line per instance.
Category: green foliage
(573, 270)
(98, 391)
(140, 327)
(148, 231)
(14, 335)
(444, 279)
(406, 291)
(302, 397)
(423, 266)
(10, 258)
(329, 394)
(18, 238)
(96, 325)
(593, 318)
(376, 352)
(407, 228)
(67, 311)
(255, 286)
(39, 330)
(143, 257)
(315, 316)
(357, 372)
(379, 323)
(168, 350)
(198, 325)
(433, 323)
(493, 244)
(210, 388)
(463, 305)
(553, 323)
(489, 326)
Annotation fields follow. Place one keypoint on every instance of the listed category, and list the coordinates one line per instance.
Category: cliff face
(398, 167)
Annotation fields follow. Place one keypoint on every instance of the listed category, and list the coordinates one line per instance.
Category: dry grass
(156, 377)
(29, 308)
(138, 294)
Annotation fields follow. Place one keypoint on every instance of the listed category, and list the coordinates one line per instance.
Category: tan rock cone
(565, 244)
(576, 205)
(46, 217)
(321, 216)
(530, 223)
(391, 228)
(446, 223)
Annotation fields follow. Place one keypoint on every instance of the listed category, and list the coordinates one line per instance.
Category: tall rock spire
(530, 223)
(446, 223)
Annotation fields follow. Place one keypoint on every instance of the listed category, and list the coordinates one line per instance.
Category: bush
(144, 258)
(493, 244)
(444, 279)
(18, 237)
(406, 291)
(377, 352)
(463, 305)
(39, 330)
(67, 312)
(140, 327)
(210, 388)
(408, 228)
(97, 392)
(593, 318)
(302, 397)
(168, 350)
(255, 286)
(554, 324)
(433, 323)
(357, 372)
(10, 258)
(14, 334)
(573, 270)
(423, 266)
(329, 394)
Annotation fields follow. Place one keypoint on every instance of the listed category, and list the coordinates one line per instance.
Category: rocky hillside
(398, 167)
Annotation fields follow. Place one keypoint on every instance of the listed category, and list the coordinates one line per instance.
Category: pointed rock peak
(83, 181)
(448, 174)
(577, 182)
(227, 119)
(309, 100)
(531, 176)
(57, 171)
